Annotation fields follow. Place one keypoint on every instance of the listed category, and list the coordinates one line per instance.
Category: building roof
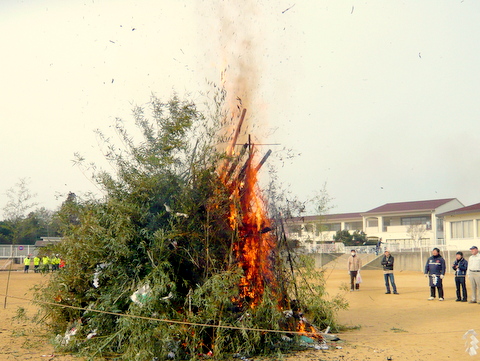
(474, 208)
(328, 217)
(43, 243)
(428, 205)
(52, 239)
(47, 241)
(340, 216)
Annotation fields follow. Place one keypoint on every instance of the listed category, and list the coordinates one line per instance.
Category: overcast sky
(380, 98)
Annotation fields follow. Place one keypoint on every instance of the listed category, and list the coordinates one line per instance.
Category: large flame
(255, 245)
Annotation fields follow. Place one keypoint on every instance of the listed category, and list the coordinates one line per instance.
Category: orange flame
(306, 329)
(248, 217)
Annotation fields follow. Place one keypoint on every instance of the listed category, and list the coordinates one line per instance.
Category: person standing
(26, 262)
(55, 261)
(46, 264)
(378, 247)
(36, 264)
(354, 263)
(387, 263)
(473, 273)
(460, 266)
(435, 270)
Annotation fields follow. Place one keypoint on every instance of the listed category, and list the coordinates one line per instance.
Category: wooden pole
(237, 131)
(8, 281)
(264, 159)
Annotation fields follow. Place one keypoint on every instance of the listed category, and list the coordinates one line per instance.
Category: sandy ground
(400, 327)
(20, 338)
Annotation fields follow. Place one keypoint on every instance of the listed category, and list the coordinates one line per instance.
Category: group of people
(354, 264)
(55, 261)
(435, 269)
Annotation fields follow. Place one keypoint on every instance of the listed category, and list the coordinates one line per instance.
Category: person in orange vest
(26, 262)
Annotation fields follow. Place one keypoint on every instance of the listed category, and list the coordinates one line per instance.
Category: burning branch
(255, 245)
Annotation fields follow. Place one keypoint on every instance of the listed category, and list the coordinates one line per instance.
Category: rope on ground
(302, 333)
(160, 319)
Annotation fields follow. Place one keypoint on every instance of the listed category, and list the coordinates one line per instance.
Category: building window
(467, 229)
(439, 224)
(332, 227)
(295, 229)
(319, 228)
(462, 229)
(354, 226)
(386, 224)
(373, 222)
(408, 221)
(309, 228)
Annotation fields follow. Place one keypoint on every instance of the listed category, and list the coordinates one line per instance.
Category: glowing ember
(308, 330)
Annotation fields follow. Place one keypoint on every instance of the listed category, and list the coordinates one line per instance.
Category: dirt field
(22, 339)
(403, 327)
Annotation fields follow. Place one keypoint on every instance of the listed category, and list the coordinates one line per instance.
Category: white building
(315, 233)
(462, 227)
(399, 225)
(409, 224)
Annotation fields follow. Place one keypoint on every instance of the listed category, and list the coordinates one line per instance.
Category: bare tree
(322, 201)
(20, 200)
(416, 232)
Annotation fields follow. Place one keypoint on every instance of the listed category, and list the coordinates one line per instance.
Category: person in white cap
(473, 273)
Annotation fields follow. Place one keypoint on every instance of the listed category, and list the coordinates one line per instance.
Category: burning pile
(178, 238)
(255, 247)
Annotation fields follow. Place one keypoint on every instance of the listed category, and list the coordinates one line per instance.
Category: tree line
(23, 221)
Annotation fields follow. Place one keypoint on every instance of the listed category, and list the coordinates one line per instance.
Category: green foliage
(355, 239)
(319, 307)
(344, 236)
(19, 333)
(20, 315)
(359, 238)
(162, 227)
(6, 233)
(28, 229)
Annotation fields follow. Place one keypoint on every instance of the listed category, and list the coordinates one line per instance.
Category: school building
(400, 226)
(462, 227)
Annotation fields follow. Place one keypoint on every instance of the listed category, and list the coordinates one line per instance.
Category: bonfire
(180, 259)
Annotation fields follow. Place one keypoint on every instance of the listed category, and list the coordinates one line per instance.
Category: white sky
(372, 94)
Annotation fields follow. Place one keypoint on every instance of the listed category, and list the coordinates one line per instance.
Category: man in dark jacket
(387, 263)
(460, 266)
(435, 270)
